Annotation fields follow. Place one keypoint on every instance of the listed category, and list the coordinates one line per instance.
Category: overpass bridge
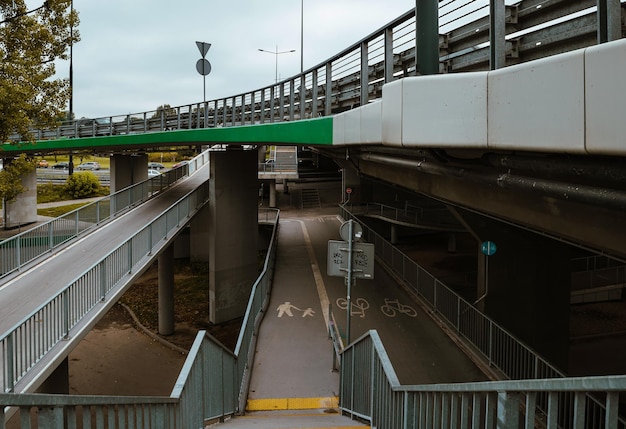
(526, 154)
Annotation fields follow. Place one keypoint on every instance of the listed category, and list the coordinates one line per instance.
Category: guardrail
(370, 390)
(24, 345)
(23, 248)
(521, 32)
(503, 352)
(431, 217)
(212, 384)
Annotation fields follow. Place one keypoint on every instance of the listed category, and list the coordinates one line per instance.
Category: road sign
(344, 230)
(488, 248)
(362, 259)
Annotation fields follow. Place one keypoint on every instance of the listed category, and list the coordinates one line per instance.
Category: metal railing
(23, 248)
(523, 31)
(431, 217)
(370, 390)
(503, 352)
(26, 344)
(212, 384)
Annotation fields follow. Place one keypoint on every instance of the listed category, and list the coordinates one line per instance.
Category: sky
(136, 55)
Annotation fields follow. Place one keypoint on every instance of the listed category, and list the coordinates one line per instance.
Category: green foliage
(81, 185)
(11, 176)
(30, 43)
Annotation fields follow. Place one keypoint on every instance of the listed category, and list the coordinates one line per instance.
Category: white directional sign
(362, 259)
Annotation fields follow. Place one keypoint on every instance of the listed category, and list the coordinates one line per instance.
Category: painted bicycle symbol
(358, 307)
(392, 306)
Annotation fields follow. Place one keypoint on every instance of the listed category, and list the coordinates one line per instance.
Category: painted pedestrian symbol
(288, 306)
(357, 308)
(392, 306)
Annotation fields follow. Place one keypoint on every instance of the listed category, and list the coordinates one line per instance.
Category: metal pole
(301, 36)
(276, 65)
(427, 37)
(497, 35)
(349, 279)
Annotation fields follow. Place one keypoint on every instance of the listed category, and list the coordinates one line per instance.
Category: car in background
(61, 165)
(91, 165)
(152, 172)
(42, 163)
(156, 165)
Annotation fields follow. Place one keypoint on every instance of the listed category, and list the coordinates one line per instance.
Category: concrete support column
(23, 210)
(394, 234)
(59, 381)
(233, 232)
(166, 291)
(199, 236)
(525, 285)
(272, 194)
(127, 170)
(452, 243)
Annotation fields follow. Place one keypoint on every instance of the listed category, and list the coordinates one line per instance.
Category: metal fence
(473, 35)
(370, 390)
(504, 353)
(26, 344)
(212, 384)
(23, 248)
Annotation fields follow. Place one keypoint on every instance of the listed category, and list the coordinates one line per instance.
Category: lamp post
(301, 36)
(276, 54)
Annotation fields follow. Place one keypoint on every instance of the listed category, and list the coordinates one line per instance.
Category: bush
(81, 185)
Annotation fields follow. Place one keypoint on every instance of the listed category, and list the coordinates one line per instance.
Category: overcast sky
(136, 55)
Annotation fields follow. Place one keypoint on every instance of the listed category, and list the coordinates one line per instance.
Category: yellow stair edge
(271, 404)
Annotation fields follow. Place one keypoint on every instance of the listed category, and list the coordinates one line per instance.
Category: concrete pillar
(127, 170)
(23, 210)
(394, 234)
(199, 236)
(272, 194)
(233, 232)
(166, 291)
(525, 285)
(452, 242)
(59, 381)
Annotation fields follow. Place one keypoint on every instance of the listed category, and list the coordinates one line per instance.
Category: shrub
(81, 185)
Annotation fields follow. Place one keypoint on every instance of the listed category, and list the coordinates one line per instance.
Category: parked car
(156, 165)
(152, 172)
(61, 165)
(42, 163)
(91, 165)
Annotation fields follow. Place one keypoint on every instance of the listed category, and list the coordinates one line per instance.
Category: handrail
(21, 249)
(370, 390)
(26, 344)
(212, 383)
(335, 85)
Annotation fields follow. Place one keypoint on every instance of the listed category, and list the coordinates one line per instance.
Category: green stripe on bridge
(317, 131)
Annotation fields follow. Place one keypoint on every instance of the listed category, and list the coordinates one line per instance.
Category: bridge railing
(23, 248)
(212, 384)
(28, 342)
(522, 31)
(370, 390)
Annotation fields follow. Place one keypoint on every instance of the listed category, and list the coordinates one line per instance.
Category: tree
(11, 177)
(30, 42)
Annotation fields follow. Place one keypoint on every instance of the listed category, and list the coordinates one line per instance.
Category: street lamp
(276, 54)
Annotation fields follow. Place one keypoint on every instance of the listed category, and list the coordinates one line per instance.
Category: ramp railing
(23, 248)
(370, 390)
(212, 384)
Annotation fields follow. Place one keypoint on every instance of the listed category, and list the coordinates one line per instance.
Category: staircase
(310, 199)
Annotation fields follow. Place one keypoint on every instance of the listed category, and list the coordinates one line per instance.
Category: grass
(60, 210)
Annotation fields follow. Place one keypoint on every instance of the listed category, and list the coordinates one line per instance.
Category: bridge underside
(569, 199)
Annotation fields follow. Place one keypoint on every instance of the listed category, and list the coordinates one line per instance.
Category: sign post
(359, 255)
